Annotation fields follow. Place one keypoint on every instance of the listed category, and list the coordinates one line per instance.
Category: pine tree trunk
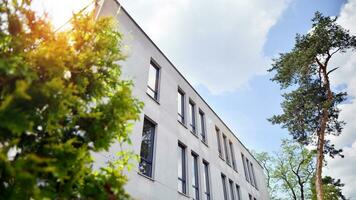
(321, 134)
(319, 165)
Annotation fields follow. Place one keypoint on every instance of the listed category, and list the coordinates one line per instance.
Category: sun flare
(59, 11)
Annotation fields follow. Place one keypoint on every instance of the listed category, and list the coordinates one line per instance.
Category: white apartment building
(187, 151)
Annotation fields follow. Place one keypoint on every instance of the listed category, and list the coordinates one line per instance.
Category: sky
(224, 48)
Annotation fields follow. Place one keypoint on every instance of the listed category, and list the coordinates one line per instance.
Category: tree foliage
(310, 106)
(332, 189)
(61, 98)
(289, 171)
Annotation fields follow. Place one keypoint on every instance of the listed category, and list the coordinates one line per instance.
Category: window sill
(185, 195)
(155, 100)
(145, 176)
(221, 157)
(205, 143)
(182, 124)
(194, 134)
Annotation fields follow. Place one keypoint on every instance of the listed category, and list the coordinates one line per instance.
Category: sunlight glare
(59, 11)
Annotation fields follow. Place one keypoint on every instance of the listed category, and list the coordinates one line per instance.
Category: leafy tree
(332, 189)
(310, 107)
(289, 171)
(266, 160)
(61, 98)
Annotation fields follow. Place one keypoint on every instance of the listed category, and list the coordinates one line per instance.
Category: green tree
(61, 98)
(332, 189)
(310, 107)
(289, 171)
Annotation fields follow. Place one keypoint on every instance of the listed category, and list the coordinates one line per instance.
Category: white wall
(140, 49)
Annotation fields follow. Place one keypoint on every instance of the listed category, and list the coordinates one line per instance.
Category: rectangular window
(182, 177)
(180, 106)
(202, 126)
(232, 155)
(147, 144)
(238, 192)
(153, 76)
(253, 175)
(206, 184)
(232, 193)
(223, 180)
(245, 168)
(249, 172)
(192, 117)
(226, 150)
(195, 176)
(219, 142)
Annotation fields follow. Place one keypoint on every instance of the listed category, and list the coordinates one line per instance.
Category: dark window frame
(181, 113)
(202, 130)
(192, 116)
(245, 168)
(149, 161)
(195, 174)
(227, 156)
(232, 155)
(232, 192)
(238, 192)
(183, 158)
(207, 180)
(155, 90)
(224, 186)
(218, 138)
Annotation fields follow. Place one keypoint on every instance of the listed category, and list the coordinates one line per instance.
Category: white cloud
(345, 168)
(223, 38)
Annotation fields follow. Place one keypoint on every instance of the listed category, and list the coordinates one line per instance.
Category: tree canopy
(310, 106)
(61, 98)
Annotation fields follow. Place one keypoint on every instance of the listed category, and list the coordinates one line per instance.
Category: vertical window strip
(223, 180)
(202, 126)
(180, 100)
(153, 77)
(192, 117)
(219, 142)
(226, 150)
(232, 193)
(238, 192)
(195, 176)
(206, 179)
(147, 147)
(232, 155)
(245, 168)
(182, 169)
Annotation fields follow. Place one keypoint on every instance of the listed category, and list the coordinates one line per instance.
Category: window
(253, 175)
(245, 168)
(232, 155)
(147, 144)
(232, 193)
(202, 126)
(192, 116)
(153, 76)
(223, 179)
(206, 178)
(180, 106)
(250, 173)
(218, 141)
(181, 169)
(226, 150)
(238, 192)
(195, 176)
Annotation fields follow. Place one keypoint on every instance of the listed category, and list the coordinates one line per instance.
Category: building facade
(187, 151)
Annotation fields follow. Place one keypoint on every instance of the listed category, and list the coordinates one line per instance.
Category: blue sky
(224, 48)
